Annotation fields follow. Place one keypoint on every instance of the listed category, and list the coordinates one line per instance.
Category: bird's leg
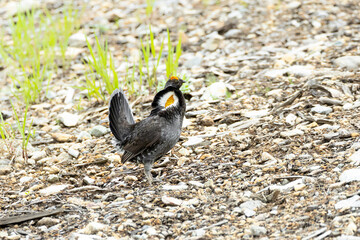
(147, 168)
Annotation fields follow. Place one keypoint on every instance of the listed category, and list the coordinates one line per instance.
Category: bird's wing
(145, 135)
(120, 115)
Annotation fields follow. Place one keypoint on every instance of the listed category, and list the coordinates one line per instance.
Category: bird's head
(174, 82)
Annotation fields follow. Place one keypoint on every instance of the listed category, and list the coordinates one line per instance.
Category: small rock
(73, 152)
(48, 221)
(257, 231)
(244, 124)
(292, 133)
(193, 141)
(249, 207)
(171, 201)
(25, 179)
(276, 93)
(299, 187)
(349, 62)
(181, 161)
(88, 180)
(184, 152)
(130, 178)
(38, 155)
(62, 137)
(199, 233)
(321, 109)
(207, 121)
(151, 231)
(256, 114)
(218, 190)
(355, 158)
(69, 119)
(350, 175)
(180, 186)
(98, 131)
(291, 119)
(209, 183)
(93, 228)
(83, 136)
(215, 91)
(77, 40)
(193, 62)
(53, 178)
(115, 14)
(5, 169)
(53, 189)
(196, 184)
(354, 201)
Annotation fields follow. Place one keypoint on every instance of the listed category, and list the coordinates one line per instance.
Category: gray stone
(69, 119)
(5, 169)
(215, 91)
(349, 62)
(77, 40)
(321, 109)
(99, 131)
(83, 136)
(25, 179)
(89, 181)
(53, 189)
(355, 158)
(292, 133)
(256, 113)
(233, 33)
(38, 155)
(257, 230)
(193, 141)
(93, 228)
(180, 186)
(350, 175)
(53, 178)
(354, 201)
(193, 62)
(48, 221)
(73, 152)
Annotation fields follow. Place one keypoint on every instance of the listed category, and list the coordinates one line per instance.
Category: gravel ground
(270, 146)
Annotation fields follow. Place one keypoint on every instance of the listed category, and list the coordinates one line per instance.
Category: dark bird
(148, 140)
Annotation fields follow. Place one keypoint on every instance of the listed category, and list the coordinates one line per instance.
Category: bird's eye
(169, 101)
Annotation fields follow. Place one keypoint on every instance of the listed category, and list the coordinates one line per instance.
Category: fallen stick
(27, 217)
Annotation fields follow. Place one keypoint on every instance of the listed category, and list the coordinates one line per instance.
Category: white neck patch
(169, 99)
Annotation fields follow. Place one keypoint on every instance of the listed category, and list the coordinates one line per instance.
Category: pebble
(207, 121)
(256, 114)
(93, 228)
(48, 221)
(130, 178)
(248, 208)
(321, 109)
(5, 169)
(171, 201)
(276, 93)
(77, 40)
(38, 155)
(349, 62)
(355, 158)
(196, 184)
(53, 178)
(73, 152)
(180, 186)
(193, 62)
(244, 124)
(181, 161)
(299, 187)
(62, 137)
(193, 141)
(291, 119)
(215, 91)
(83, 135)
(69, 119)
(292, 133)
(25, 179)
(99, 131)
(257, 231)
(88, 180)
(350, 175)
(184, 152)
(53, 189)
(354, 201)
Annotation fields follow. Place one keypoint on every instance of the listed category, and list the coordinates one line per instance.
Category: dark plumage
(148, 140)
